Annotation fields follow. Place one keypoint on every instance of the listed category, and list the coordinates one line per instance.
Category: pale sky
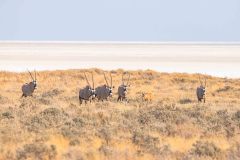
(120, 20)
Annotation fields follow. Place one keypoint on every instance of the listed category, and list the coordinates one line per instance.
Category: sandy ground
(215, 59)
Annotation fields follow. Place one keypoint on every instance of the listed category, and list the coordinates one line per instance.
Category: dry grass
(52, 125)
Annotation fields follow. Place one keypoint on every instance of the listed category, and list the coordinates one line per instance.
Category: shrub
(106, 150)
(105, 134)
(44, 101)
(7, 115)
(224, 89)
(52, 93)
(74, 142)
(36, 151)
(185, 101)
(205, 149)
(49, 118)
(146, 142)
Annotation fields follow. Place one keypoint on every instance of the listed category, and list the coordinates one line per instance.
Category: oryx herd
(103, 92)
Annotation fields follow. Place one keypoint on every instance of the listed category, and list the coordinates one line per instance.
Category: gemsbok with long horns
(105, 91)
(201, 90)
(88, 93)
(123, 89)
(28, 88)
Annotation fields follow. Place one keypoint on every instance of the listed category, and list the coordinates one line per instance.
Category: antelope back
(85, 93)
(28, 89)
(103, 92)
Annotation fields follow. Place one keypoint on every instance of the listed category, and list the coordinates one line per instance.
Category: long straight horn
(30, 75)
(128, 79)
(199, 79)
(92, 81)
(111, 79)
(86, 79)
(205, 83)
(105, 78)
(35, 75)
(122, 79)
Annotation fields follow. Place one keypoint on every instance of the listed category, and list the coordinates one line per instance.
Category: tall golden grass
(173, 125)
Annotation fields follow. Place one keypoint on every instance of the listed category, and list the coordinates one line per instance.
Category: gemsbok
(88, 93)
(28, 88)
(105, 91)
(123, 89)
(201, 90)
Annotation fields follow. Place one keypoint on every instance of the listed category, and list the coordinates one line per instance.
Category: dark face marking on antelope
(93, 93)
(124, 89)
(35, 84)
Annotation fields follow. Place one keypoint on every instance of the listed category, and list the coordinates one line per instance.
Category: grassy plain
(52, 124)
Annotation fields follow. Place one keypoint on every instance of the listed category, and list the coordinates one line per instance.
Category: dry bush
(221, 122)
(106, 150)
(225, 89)
(236, 118)
(146, 142)
(73, 154)
(44, 101)
(185, 101)
(205, 149)
(36, 151)
(74, 142)
(48, 118)
(52, 93)
(7, 115)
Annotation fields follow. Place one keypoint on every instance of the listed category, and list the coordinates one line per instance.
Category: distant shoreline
(222, 60)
